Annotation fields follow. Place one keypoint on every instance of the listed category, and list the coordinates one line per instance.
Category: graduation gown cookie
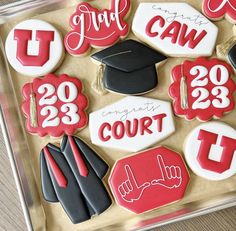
(127, 68)
(73, 176)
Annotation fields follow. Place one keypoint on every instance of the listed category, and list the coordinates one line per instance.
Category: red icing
(207, 140)
(120, 129)
(23, 37)
(101, 132)
(149, 180)
(58, 174)
(216, 9)
(92, 27)
(177, 32)
(80, 102)
(209, 112)
(83, 170)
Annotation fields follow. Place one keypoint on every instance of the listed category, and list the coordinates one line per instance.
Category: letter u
(23, 36)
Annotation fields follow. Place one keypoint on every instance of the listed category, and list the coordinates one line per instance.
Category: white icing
(130, 108)
(95, 20)
(200, 72)
(218, 75)
(48, 90)
(70, 109)
(51, 120)
(192, 144)
(221, 94)
(72, 92)
(56, 48)
(201, 94)
(180, 12)
(224, 75)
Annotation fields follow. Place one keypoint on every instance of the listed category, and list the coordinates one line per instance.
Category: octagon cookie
(132, 124)
(149, 179)
(176, 29)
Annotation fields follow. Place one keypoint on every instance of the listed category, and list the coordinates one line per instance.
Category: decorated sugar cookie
(210, 151)
(149, 180)
(227, 50)
(54, 105)
(122, 68)
(97, 28)
(202, 89)
(34, 48)
(70, 175)
(132, 123)
(218, 9)
(176, 29)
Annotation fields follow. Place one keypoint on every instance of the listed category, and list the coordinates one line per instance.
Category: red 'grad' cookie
(202, 89)
(149, 179)
(217, 9)
(94, 28)
(54, 105)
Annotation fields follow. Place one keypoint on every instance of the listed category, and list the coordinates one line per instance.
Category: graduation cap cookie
(127, 68)
(72, 175)
(227, 50)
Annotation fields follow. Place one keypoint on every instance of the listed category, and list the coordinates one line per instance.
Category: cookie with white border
(132, 123)
(176, 29)
(34, 48)
(210, 151)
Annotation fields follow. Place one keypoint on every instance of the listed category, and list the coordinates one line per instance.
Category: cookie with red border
(149, 180)
(202, 89)
(97, 28)
(54, 105)
(218, 9)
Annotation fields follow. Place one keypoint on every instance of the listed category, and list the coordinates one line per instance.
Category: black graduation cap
(232, 56)
(72, 175)
(127, 68)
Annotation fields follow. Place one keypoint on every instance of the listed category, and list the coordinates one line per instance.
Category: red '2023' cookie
(217, 9)
(91, 27)
(54, 105)
(202, 89)
(149, 179)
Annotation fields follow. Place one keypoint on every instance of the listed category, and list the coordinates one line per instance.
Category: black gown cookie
(127, 68)
(73, 176)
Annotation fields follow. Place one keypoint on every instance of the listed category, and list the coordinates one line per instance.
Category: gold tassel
(224, 48)
(184, 93)
(98, 84)
(33, 109)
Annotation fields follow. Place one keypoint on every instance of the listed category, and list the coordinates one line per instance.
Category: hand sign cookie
(149, 180)
(129, 189)
(171, 175)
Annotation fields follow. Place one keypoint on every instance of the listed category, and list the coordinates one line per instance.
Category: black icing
(130, 67)
(83, 196)
(232, 56)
